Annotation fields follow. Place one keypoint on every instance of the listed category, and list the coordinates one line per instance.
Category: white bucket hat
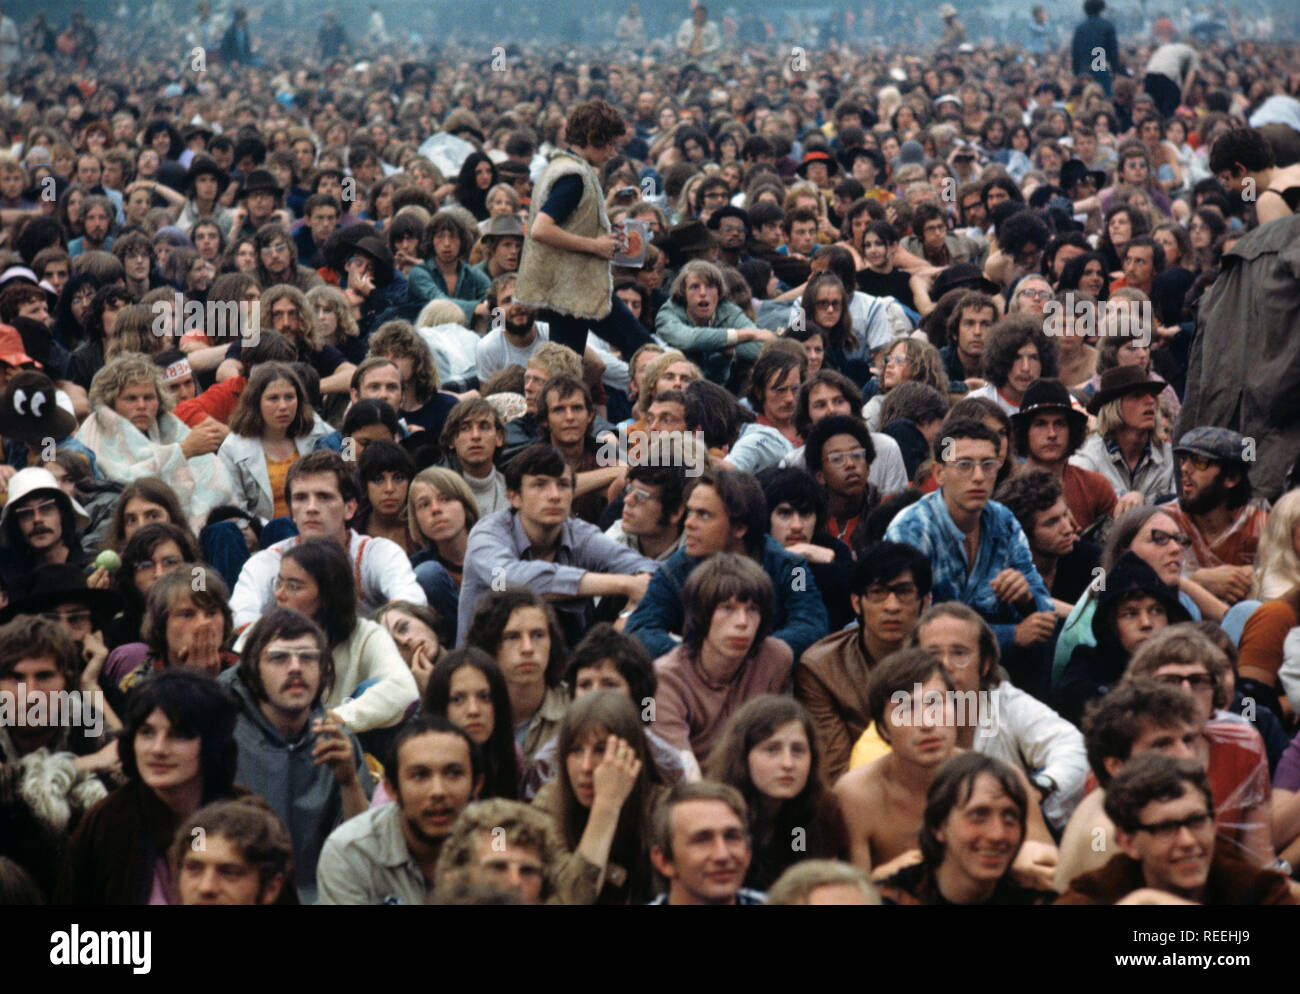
(33, 480)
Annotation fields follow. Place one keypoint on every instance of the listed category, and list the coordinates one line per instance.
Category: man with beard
(389, 854)
(284, 670)
(515, 335)
(1216, 509)
(97, 215)
(731, 227)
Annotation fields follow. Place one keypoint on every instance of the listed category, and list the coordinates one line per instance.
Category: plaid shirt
(927, 526)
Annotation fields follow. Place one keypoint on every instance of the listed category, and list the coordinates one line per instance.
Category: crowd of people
(678, 472)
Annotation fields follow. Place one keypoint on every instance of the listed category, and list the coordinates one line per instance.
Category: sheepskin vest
(570, 283)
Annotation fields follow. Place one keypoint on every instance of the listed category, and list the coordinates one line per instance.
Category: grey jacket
(366, 861)
(305, 796)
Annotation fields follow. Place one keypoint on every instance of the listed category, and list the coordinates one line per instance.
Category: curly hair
(398, 340)
(924, 358)
(124, 371)
(519, 824)
(308, 332)
(593, 124)
(332, 297)
(1007, 338)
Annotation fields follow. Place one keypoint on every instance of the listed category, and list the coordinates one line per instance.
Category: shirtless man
(884, 801)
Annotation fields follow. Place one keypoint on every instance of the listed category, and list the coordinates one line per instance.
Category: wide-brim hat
(374, 249)
(259, 181)
(504, 226)
(1045, 395)
(817, 155)
(203, 165)
(34, 480)
(1120, 381)
(30, 410)
(59, 583)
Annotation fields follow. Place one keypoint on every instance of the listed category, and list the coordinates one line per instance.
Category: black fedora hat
(1041, 396)
(963, 275)
(58, 583)
(259, 181)
(373, 248)
(204, 165)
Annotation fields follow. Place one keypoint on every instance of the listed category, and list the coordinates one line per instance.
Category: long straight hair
(501, 766)
(603, 713)
(814, 810)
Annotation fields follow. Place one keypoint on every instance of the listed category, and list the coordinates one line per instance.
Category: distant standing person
(1094, 49)
(565, 265)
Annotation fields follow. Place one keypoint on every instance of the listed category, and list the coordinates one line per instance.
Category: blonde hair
(450, 485)
(334, 299)
(1277, 567)
(120, 373)
(557, 360)
(442, 311)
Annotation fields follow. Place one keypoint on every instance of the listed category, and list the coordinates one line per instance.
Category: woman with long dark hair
(178, 753)
(467, 689)
(316, 579)
(478, 174)
(601, 801)
(768, 751)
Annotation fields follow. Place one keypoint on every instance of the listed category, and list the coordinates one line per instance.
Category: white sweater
(379, 566)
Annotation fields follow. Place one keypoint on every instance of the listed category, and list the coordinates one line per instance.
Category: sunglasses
(1161, 538)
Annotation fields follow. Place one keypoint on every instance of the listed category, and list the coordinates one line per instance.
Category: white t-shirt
(495, 351)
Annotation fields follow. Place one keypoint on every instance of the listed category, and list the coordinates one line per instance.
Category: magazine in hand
(632, 237)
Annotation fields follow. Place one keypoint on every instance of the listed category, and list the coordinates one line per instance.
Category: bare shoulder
(863, 784)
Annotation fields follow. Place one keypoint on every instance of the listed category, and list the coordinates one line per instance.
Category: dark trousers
(619, 327)
(1164, 91)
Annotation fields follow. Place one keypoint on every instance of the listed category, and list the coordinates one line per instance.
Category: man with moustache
(389, 854)
(514, 334)
(38, 527)
(300, 759)
(1216, 509)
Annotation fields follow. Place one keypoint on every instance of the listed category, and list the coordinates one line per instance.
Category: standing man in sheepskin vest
(564, 271)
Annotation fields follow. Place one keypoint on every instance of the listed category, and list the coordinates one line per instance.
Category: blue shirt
(927, 526)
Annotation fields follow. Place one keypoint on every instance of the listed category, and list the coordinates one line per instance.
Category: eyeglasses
(636, 494)
(965, 467)
(828, 304)
(1199, 463)
(840, 458)
(1161, 539)
(783, 391)
(282, 657)
(32, 511)
(70, 618)
(169, 563)
(1036, 294)
(878, 593)
(277, 247)
(1195, 681)
(1168, 829)
(896, 360)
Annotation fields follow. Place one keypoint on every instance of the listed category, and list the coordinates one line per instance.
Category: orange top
(278, 469)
